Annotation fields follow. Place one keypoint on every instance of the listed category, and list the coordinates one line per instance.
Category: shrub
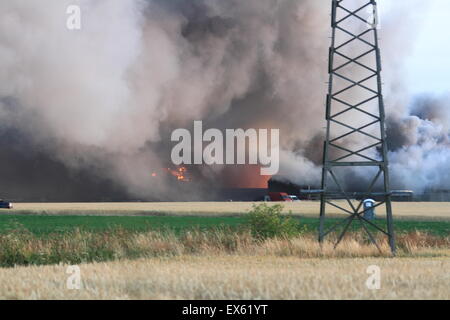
(267, 222)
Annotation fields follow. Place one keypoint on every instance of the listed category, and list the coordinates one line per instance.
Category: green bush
(267, 222)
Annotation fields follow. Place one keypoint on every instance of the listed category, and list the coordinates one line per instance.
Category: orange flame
(180, 173)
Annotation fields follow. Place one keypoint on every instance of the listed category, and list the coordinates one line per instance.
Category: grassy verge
(20, 247)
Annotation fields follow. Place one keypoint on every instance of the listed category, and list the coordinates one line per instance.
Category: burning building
(303, 192)
(92, 120)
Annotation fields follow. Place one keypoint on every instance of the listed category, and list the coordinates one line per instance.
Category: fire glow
(180, 173)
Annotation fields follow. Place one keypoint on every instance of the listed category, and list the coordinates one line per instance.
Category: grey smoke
(420, 145)
(90, 112)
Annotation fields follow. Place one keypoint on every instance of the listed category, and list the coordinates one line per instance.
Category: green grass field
(31, 238)
(41, 224)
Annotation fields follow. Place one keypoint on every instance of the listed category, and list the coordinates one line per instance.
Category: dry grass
(234, 277)
(417, 210)
(224, 265)
(21, 248)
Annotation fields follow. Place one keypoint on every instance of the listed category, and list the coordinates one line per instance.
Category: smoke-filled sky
(87, 114)
(428, 64)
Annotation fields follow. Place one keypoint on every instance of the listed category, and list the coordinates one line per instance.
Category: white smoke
(421, 146)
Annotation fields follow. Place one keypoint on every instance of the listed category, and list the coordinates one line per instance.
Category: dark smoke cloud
(88, 114)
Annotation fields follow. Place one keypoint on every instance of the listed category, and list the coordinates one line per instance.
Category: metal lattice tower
(355, 134)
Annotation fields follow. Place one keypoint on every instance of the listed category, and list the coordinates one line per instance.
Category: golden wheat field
(417, 210)
(234, 277)
(274, 269)
(224, 266)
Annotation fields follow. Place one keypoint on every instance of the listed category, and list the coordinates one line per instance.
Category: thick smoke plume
(88, 114)
(420, 145)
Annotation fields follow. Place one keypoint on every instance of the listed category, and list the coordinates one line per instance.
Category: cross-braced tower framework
(355, 150)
